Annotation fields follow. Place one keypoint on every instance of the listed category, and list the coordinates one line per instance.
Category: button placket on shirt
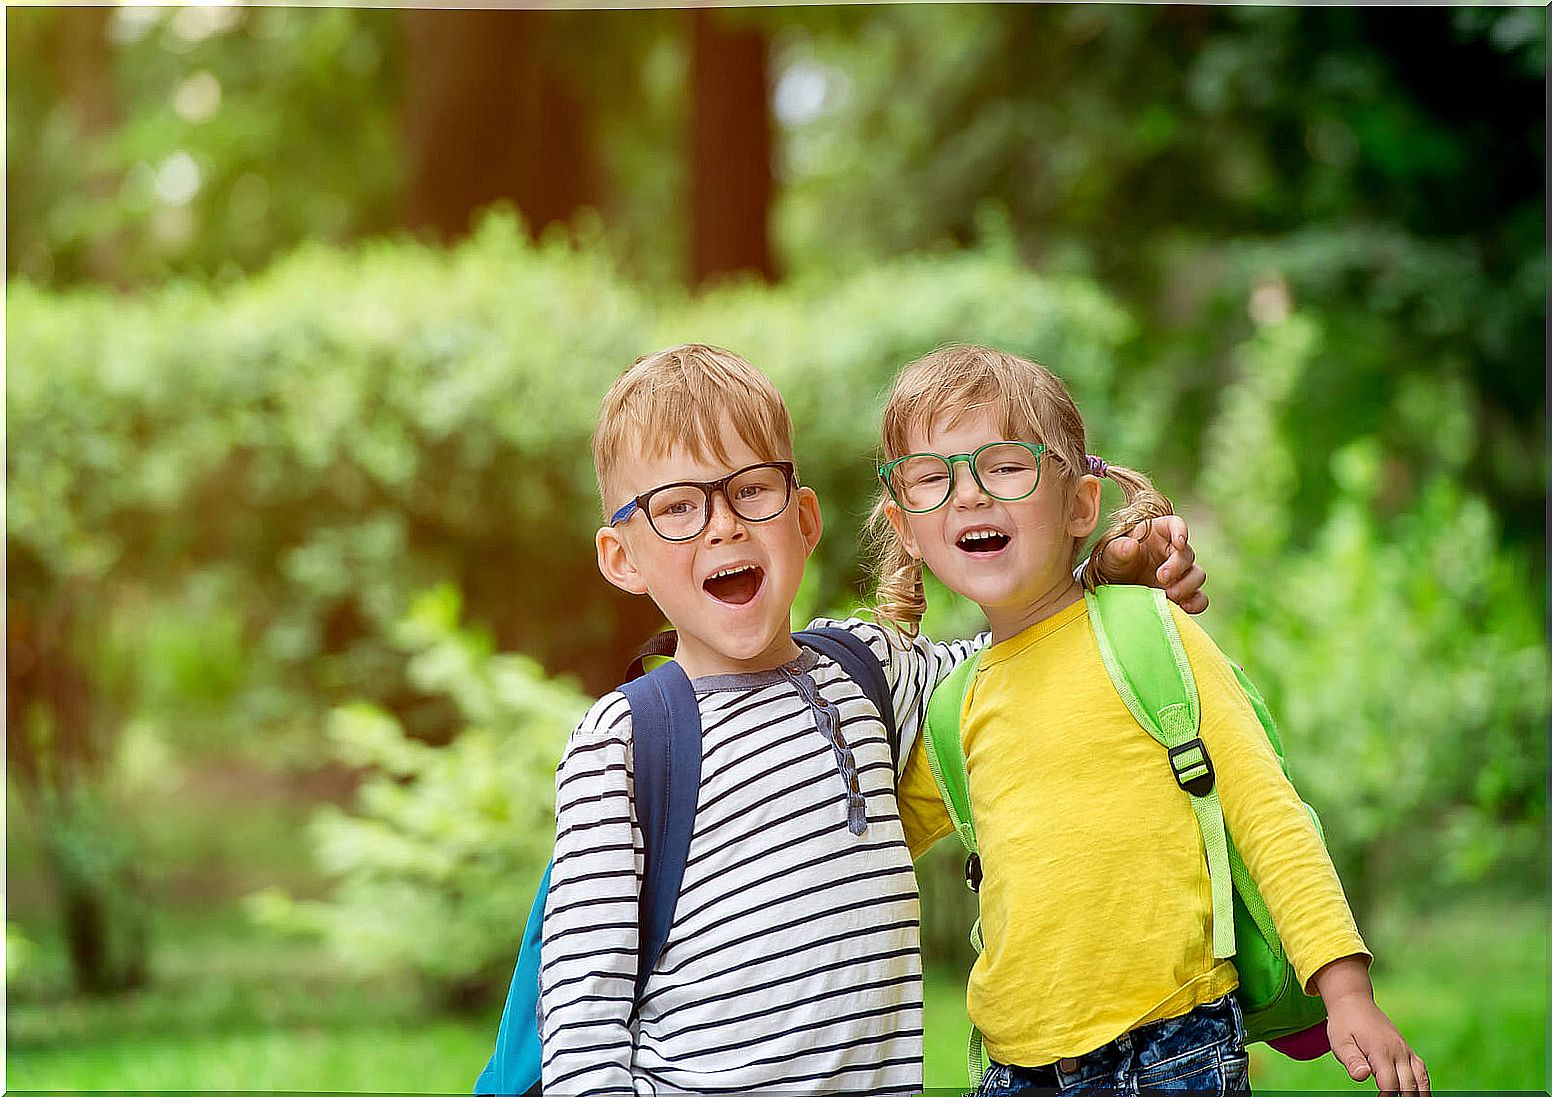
(828, 725)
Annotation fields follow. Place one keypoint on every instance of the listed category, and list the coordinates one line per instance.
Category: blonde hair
(676, 399)
(1030, 403)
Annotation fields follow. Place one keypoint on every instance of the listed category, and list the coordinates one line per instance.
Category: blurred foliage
(1396, 643)
(146, 142)
(1182, 155)
(437, 863)
(1176, 155)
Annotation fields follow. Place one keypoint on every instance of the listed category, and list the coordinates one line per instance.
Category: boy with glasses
(793, 960)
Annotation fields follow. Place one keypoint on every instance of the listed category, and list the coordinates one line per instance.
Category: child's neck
(1007, 623)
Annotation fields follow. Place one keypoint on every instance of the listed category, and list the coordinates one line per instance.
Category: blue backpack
(666, 736)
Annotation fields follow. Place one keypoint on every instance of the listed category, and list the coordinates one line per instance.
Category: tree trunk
(58, 759)
(487, 117)
(83, 62)
(731, 180)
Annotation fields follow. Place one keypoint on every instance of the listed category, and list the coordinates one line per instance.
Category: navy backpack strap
(854, 656)
(666, 744)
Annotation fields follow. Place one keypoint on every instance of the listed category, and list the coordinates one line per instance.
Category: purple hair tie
(1097, 465)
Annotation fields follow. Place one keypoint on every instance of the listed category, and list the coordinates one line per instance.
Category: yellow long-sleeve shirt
(1095, 904)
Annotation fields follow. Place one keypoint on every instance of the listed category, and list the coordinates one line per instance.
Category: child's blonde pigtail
(901, 597)
(1143, 503)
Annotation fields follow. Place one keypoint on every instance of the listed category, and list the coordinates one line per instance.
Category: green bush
(1404, 659)
(436, 864)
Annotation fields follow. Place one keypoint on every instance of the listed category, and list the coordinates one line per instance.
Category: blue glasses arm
(623, 513)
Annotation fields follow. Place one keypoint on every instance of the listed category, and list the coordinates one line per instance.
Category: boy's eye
(749, 491)
(674, 508)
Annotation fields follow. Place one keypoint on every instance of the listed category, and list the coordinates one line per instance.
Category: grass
(235, 1008)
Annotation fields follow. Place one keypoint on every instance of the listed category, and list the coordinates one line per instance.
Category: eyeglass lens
(680, 511)
(1005, 471)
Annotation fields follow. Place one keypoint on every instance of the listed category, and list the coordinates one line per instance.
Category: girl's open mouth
(983, 541)
(736, 585)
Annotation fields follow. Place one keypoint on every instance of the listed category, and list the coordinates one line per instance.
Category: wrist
(1343, 981)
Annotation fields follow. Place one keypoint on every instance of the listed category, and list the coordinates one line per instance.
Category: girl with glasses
(1100, 968)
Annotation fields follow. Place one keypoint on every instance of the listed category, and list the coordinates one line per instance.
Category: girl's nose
(966, 492)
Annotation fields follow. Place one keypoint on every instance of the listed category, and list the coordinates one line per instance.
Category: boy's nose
(723, 523)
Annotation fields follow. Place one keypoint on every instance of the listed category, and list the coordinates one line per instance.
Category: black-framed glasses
(682, 510)
(922, 482)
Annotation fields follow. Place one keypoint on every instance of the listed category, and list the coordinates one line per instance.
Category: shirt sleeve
(913, 667)
(1266, 819)
(588, 971)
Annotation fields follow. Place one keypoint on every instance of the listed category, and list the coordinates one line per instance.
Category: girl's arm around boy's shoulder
(1266, 819)
(588, 973)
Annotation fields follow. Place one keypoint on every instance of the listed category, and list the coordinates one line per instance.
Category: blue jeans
(1201, 1052)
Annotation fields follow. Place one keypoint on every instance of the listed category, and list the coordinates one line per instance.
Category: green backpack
(1142, 651)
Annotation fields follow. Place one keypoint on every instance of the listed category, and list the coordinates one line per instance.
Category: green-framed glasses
(922, 482)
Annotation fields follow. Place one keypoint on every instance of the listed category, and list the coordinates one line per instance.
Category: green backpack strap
(946, 758)
(1146, 660)
(946, 752)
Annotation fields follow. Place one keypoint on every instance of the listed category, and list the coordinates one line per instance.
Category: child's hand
(1362, 1038)
(1158, 554)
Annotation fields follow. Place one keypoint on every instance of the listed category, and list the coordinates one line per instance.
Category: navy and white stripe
(793, 961)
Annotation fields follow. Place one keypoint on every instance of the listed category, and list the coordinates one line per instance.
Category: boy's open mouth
(982, 540)
(735, 585)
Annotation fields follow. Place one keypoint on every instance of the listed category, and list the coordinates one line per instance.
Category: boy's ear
(1083, 510)
(902, 527)
(614, 561)
(810, 521)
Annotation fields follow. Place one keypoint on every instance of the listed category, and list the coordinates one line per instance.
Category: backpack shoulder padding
(852, 654)
(666, 746)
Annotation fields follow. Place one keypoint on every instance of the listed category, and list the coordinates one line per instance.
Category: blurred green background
(308, 314)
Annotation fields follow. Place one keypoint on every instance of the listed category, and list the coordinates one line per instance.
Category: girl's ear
(1083, 508)
(902, 527)
(810, 521)
(614, 561)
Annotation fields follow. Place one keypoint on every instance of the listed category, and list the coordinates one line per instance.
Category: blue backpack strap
(854, 656)
(666, 743)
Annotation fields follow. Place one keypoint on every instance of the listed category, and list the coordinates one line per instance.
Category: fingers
(1187, 586)
(1195, 604)
(1347, 1052)
(1407, 1070)
(1170, 529)
(1179, 556)
(1386, 1078)
(1396, 1068)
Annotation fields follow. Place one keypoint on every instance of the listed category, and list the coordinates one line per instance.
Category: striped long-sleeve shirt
(793, 959)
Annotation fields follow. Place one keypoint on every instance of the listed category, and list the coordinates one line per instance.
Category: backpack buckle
(973, 872)
(1193, 768)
